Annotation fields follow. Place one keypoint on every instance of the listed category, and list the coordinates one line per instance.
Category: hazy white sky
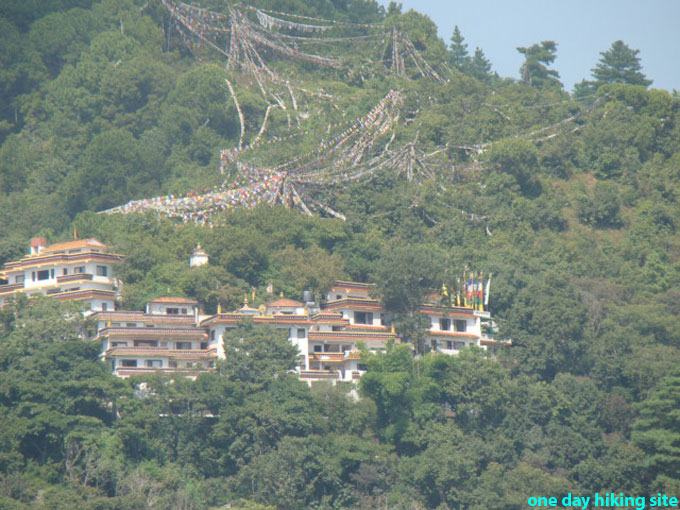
(581, 28)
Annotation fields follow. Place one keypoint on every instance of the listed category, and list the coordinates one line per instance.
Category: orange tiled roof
(285, 302)
(167, 299)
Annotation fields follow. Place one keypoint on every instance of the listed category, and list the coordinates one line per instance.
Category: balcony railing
(319, 374)
(74, 277)
(8, 288)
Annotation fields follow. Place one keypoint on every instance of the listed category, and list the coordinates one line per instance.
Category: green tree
(620, 64)
(480, 67)
(657, 431)
(257, 354)
(537, 58)
(459, 57)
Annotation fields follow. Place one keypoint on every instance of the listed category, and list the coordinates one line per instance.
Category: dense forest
(570, 199)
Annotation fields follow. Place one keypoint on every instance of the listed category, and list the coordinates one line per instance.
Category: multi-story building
(164, 338)
(75, 270)
(172, 336)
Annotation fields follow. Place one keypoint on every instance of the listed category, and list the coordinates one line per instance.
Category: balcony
(328, 356)
(74, 277)
(11, 288)
(314, 375)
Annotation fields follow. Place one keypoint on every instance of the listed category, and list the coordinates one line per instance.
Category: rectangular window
(79, 270)
(118, 344)
(44, 275)
(318, 348)
(363, 318)
(105, 307)
(461, 326)
(172, 311)
(128, 362)
(64, 272)
(433, 343)
(184, 311)
(204, 345)
(154, 363)
(33, 275)
(449, 345)
(52, 273)
(445, 324)
(459, 345)
(146, 343)
(183, 345)
(173, 364)
(212, 334)
(130, 324)
(301, 333)
(19, 278)
(102, 271)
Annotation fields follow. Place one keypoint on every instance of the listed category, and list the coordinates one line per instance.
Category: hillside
(299, 142)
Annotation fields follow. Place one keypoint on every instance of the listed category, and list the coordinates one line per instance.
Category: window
(115, 324)
(363, 318)
(301, 333)
(64, 272)
(338, 296)
(173, 364)
(449, 345)
(459, 345)
(172, 311)
(118, 344)
(131, 324)
(79, 270)
(336, 328)
(102, 271)
(445, 324)
(318, 348)
(183, 345)
(461, 326)
(212, 334)
(154, 363)
(128, 362)
(146, 343)
(382, 319)
(184, 311)
(204, 345)
(211, 364)
(433, 343)
(105, 307)
(44, 275)
(19, 278)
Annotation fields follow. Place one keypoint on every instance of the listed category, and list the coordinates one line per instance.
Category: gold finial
(394, 330)
(219, 308)
(75, 233)
(281, 295)
(245, 300)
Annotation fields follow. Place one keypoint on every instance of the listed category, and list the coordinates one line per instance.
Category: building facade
(76, 270)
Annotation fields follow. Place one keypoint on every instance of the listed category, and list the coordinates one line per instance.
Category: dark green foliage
(535, 70)
(620, 64)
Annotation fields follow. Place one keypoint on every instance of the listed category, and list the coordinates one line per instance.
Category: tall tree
(620, 64)
(535, 70)
(480, 67)
(459, 52)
